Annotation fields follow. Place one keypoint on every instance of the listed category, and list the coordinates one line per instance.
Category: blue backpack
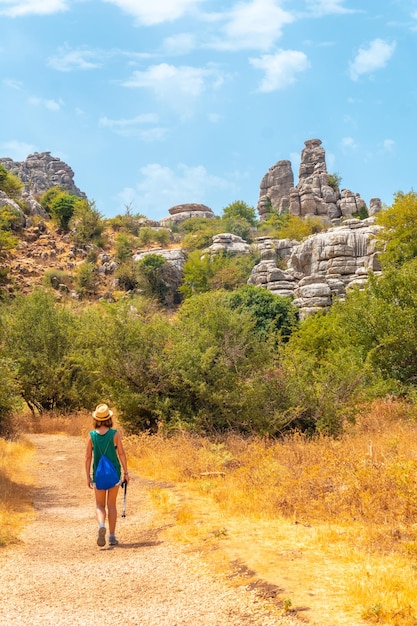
(106, 475)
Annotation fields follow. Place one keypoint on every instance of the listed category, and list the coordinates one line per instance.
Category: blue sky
(159, 102)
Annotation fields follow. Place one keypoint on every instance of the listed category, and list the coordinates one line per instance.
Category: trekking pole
(124, 485)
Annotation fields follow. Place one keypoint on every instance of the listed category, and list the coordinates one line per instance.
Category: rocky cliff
(316, 194)
(39, 172)
(322, 267)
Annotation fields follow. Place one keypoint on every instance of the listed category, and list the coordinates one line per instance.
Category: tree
(217, 271)
(274, 315)
(215, 366)
(123, 347)
(240, 209)
(398, 238)
(10, 184)
(60, 205)
(150, 272)
(87, 223)
(37, 343)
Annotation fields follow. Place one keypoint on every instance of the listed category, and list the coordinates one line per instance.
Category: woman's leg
(111, 508)
(100, 505)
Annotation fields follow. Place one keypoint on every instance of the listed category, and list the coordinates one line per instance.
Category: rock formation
(316, 194)
(322, 267)
(227, 242)
(182, 212)
(40, 171)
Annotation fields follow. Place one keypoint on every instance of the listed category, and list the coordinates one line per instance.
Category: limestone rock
(316, 193)
(275, 188)
(41, 171)
(227, 242)
(322, 267)
(182, 212)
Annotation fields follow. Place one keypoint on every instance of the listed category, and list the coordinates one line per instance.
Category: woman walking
(104, 440)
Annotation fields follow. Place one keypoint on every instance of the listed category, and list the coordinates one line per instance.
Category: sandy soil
(57, 574)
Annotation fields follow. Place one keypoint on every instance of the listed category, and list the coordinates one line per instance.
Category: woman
(105, 440)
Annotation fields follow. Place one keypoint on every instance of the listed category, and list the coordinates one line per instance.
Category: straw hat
(102, 413)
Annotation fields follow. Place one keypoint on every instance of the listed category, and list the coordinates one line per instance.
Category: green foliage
(54, 278)
(218, 271)
(199, 232)
(10, 184)
(124, 247)
(127, 223)
(334, 181)
(148, 236)
(299, 228)
(9, 394)
(61, 209)
(127, 276)
(239, 226)
(381, 322)
(398, 238)
(362, 214)
(324, 374)
(240, 210)
(86, 222)
(274, 316)
(214, 367)
(86, 279)
(37, 343)
(152, 272)
(124, 346)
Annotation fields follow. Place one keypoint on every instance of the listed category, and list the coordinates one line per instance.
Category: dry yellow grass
(332, 522)
(15, 488)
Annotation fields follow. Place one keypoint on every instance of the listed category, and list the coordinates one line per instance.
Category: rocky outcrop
(227, 242)
(40, 171)
(316, 193)
(182, 212)
(172, 274)
(321, 268)
(275, 189)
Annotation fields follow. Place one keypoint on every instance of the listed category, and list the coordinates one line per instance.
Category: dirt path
(57, 574)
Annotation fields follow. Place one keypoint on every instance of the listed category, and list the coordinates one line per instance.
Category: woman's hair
(108, 423)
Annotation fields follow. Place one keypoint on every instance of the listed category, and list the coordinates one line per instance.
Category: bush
(86, 279)
(10, 184)
(54, 278)
(86, 222)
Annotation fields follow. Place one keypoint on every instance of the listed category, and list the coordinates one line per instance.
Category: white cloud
(150, 12)
(349, 143)
(51, 105)
(19, 8)
(280, 69)
(67, 60)
(182, 43)
(179, 87)
(375, 57)
(388, 145)
(329, 7)
(17, 150)
(13, 84)
(253, 25)
(161, 187)
(133, 127)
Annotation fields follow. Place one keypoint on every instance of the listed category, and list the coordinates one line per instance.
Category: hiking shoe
(113, 541)
(101, 539)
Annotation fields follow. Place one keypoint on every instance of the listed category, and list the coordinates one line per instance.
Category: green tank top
(103, 444)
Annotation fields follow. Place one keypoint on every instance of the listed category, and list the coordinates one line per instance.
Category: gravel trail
(58, 576)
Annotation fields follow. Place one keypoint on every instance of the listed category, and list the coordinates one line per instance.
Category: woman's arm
(121, 454)
(88, 457)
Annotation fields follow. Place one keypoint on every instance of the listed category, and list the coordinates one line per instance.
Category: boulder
(182, 212)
